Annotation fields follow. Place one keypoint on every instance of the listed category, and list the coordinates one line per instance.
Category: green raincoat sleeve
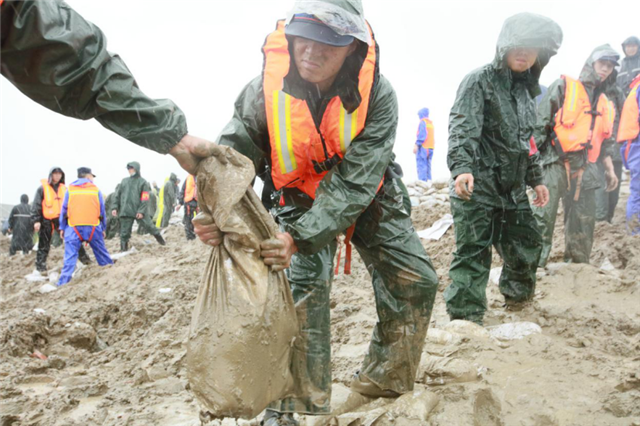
(143, 207)
(550, 103)
(349, 188)
(60, 60)
(465, 126)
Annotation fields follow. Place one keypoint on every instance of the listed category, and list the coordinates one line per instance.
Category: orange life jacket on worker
(190, 190)
(83, 208)
(429, 142)
(301, 153)
(630, 117)
(578, 126)
(52, 200)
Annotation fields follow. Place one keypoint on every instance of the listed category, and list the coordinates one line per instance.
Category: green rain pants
(126, 224)
(515, 235)
(405, 285)
(579, 224)
(555, 178)
(113, 226)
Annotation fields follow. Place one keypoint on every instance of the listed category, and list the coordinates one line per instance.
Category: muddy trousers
(606, 202)
(515, 235)
(423, 163)
(555, 178)
(72, 245)
(405, 285)
(49, 228)
(579, 224)
(126, 224)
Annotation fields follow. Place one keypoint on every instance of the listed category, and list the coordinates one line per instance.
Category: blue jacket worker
(423, 148)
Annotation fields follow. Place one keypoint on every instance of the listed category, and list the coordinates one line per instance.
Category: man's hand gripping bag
(244, 320)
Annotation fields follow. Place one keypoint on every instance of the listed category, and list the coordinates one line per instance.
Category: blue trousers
(632, 162)
(72, 244)
(423, 160)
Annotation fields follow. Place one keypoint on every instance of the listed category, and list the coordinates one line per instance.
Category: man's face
(630, 49)
(521, 59)
(603, 68)
(319, 63)
(56, 176)
(131, 170)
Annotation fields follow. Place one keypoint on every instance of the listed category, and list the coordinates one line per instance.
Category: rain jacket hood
(24, 199)
(528, 30)
(136, 167)
(423, 113)
(632, 40)
(173, 178)
(345, 17)
(588, 75)
(50, 178)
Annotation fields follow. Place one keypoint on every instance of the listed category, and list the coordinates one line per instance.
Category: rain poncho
(59, 60)
(490, 129)
(403, 277)
(21, 227)
(630, 66)
(424, 155)
(579, 216)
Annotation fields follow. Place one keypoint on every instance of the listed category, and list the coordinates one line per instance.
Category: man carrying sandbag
(319, 124)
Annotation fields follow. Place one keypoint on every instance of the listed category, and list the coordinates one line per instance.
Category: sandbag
(244, 321)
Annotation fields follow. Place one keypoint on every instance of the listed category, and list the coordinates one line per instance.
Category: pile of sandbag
(425, 194)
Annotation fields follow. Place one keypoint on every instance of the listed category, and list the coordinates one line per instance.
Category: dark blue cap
(309, 27)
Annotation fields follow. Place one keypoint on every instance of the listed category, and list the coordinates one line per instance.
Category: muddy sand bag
(244, 321)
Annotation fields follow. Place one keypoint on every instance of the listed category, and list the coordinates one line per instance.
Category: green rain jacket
(552, 101)
(129, 198)
(350, 186)
(170, 194)
(59, 60)
(492, 119)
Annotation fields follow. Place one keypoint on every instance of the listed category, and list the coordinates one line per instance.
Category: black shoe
(124, 246)
(274, 418)
(160, 240)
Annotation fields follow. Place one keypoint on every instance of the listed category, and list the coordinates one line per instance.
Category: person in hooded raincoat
(332, 172)
(45, 215)
(113, 223)
(167, 201)
(83, 220)
(629, 137)
(21, 227)
(152, 209)
(132, 205)
(630, 68)
(580, 214)
(423, 148)
(60, 60)
(189, 200)
(492, 158)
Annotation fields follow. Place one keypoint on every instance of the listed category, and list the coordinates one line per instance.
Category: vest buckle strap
(327, 164)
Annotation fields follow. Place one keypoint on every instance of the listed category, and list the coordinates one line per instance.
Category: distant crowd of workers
(78, 213)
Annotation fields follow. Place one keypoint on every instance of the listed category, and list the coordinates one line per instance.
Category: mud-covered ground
(114, 342)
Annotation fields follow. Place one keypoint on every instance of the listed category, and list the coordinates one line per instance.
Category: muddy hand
(207, 230)
(191, 149)
(277, 252)
(542, 196)
(464, 186)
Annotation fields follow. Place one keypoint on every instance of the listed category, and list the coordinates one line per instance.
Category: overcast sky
(201, 53)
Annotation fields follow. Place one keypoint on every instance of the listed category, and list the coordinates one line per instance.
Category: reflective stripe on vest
(83, 208)
(574, 126)
(52, 201)
(190, 191)
(630, 117)
(429, 142)
(296, 142)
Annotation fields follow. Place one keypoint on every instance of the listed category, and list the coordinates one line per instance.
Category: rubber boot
(124, 246)
(366, 387)
(83, 256)
(160, 240)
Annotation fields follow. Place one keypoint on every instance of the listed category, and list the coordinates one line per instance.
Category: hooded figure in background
(572, 115)
(45, 214)
(332, 172)
(21, 227)
(492, 158)
(423, 148)
(132, 205)
(167, 201)
(630, 68)
(152, 210)
(113, 223)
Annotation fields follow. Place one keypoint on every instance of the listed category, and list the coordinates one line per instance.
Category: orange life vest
(83, 208)
(630, 117)
(301, 153)
(190, 190)
(52, 201)
(575, 127)
(429, 142)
